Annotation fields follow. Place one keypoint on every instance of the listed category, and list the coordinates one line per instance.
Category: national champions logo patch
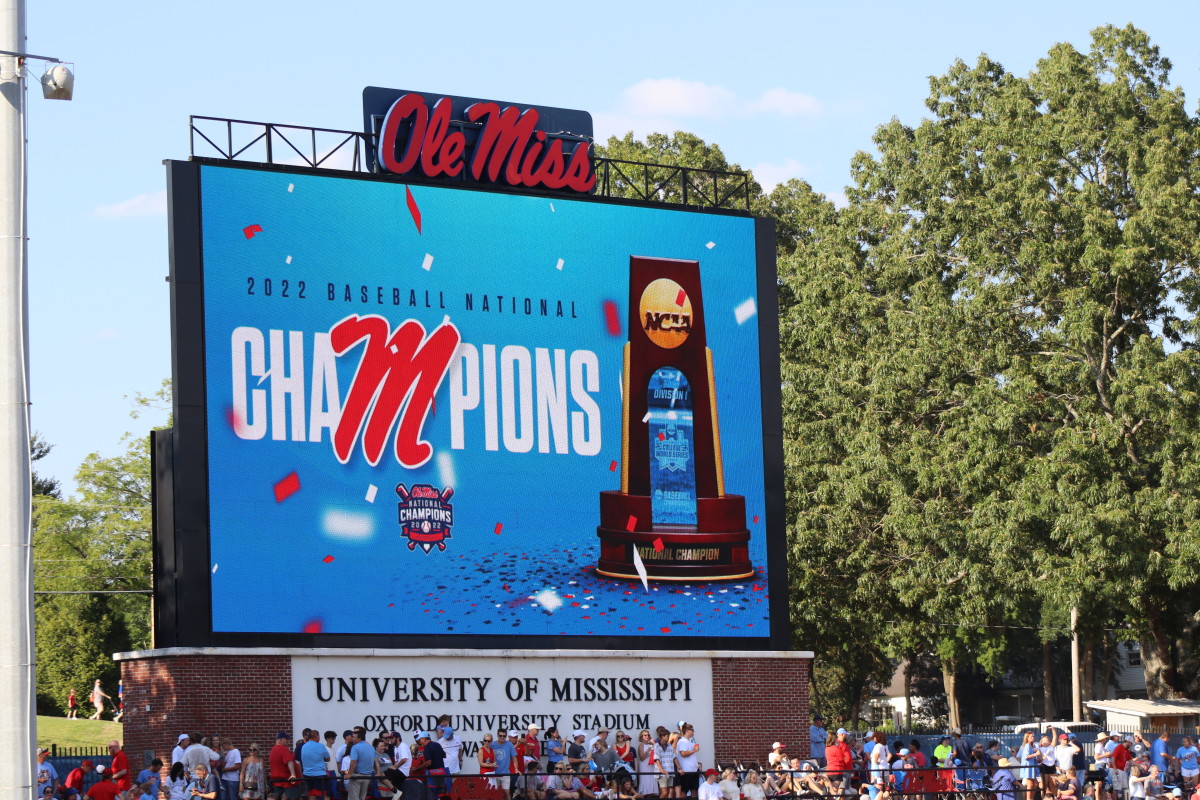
(425, 515)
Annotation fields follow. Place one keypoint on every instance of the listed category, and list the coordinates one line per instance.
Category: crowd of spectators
(666, 763)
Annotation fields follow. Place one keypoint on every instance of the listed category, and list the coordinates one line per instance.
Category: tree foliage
(92, 551)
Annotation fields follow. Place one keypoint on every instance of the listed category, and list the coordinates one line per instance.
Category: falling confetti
(641, 569)
(445, 465)
(647, 417)
(250, 230)
(291, 186)
(666, 630)
(559, 265)
(612, 467)
(662, 436)
(499, 527)
(549, 600)
(348, 524)
(552, 208)
(287, 260)
(412, 207)
(313, 626)
(711, 245)
(372, 490)
(681, 298)
(612, 319)
(287, 487)
(756, 519)
(658, 545)
(427, 264)
(631, 524)
(745, 310)
(215, 568)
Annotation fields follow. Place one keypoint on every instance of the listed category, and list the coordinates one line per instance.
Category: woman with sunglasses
(647, 782)
(487, 760)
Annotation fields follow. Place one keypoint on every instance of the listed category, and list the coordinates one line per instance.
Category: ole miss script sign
(467, 139)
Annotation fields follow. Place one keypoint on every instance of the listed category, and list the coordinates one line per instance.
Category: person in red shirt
(839, 760)
(103, 789)
(533, 747)
(1120, 763)
(519, 764)
(284, 775)
(120, 768)
(75, 777)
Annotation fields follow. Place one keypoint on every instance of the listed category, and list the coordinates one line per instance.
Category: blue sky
(790, 89)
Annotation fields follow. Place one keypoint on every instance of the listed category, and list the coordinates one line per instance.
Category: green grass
(91, 733)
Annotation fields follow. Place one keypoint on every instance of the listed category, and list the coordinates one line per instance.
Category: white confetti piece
(549, 600)
(647, 417)
(641, 568)
(711, 245)
(291, 186)
(372, 490)
(347, 524)
(735, 605)
(552, 208)
(445, 466)
(215, 568)
(287, 260)
(585, 605)
(427, 264)
(559, 265)
(745, 311)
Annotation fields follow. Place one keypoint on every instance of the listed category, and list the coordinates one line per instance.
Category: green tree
(1031, 384)
(92, 553)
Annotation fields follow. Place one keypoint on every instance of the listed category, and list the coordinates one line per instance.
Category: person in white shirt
(181, 745)
(686, 757)
(710, 789)
(231, 768)
(453, 746)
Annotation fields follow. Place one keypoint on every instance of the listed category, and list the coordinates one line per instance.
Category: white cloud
(152, 204)
(677, 97)
(665, 105)
(786, 103)
(771, 175)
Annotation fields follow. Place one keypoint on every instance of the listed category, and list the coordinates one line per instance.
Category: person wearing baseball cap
(776, 755)
(816, 739)
(286, 781)
(104, 788)
(75, 777)
(576, 752)
(709, 790)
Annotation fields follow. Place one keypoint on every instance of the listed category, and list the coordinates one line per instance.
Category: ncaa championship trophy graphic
(672, 512)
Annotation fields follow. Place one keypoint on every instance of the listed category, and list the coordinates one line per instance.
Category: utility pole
(1076, 700)
(18, 725)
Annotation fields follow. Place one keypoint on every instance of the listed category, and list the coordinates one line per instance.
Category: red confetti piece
(505, 587)
(658, 545)
(756, 519)
(287, 487)
(679, 298)
(328, 559)
(391, 605)
(612, 319)
(313, 626)
(662, 436)
(666, 630)
(412, 207)
(631, 524)
(612, 467)
(499, 527)
(250, 230)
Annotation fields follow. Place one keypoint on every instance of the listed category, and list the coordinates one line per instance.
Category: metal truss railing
(224, 139)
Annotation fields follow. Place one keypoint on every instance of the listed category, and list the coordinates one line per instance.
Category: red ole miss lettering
(510, 147)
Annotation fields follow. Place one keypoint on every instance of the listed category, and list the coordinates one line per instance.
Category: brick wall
(248, 698)
(757, 701)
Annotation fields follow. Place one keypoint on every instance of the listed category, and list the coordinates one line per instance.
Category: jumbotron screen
(433, 411)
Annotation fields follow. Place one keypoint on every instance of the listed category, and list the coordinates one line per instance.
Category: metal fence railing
(224, 139)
